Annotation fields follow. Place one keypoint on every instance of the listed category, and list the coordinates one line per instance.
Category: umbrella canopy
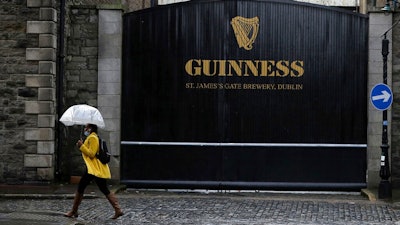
(81, 115)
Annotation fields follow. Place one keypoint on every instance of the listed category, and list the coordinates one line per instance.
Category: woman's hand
(79, 143)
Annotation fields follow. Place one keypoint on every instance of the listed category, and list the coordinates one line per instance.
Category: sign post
(382, 98)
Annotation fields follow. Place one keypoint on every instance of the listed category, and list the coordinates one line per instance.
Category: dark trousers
(87, 178)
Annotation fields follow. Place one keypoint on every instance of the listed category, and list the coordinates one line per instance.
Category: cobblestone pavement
(206, 209)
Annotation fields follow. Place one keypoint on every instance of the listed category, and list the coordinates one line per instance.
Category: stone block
(374, 141)
(47, 67)
(92, 42)
(45, 173)
(47, 41)
(378, 29)
(38, 81)
(41, 27)
(89, 51)
(40, 3)
(380, 19)
(26, 92)
(32, 160)
(373, 179)
(46, 94)
(112, 124)
(109, 76)
(115, 171)
(374, 128)
(107, 64)
(375, 43)
(374, 164)
(33, 3)
(48, 14)
(92, 63)
(109, 88)
(39, 134)
(46, 121)
(45, 147)
(41, 54)
(374, 79)
(108, 50)
(110, 16)
(88, 75)
(109, 100)
(110, 112)
(114, 143)
(375, 67)
(375, 55)
(110, 28)
(76, 66)
(39, 107)
(374, 116)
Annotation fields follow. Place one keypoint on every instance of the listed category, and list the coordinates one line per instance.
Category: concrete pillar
(378, 24)
(109, 81)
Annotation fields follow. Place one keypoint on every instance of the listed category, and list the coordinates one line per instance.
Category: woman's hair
(93, 127)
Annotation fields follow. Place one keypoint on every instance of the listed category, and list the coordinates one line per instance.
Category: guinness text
(245, 68)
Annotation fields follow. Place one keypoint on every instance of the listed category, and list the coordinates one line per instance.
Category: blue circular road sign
(381, 96)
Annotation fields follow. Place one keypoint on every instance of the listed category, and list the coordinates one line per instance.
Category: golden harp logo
(246, 30)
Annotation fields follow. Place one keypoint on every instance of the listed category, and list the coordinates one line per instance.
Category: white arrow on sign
(385, 96)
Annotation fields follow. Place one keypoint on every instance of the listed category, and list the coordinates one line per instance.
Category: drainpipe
(59, 88)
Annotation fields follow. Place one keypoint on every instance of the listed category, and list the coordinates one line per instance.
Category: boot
(114, 202)
(77, 201)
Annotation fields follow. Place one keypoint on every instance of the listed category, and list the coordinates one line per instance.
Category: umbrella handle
(81, 135)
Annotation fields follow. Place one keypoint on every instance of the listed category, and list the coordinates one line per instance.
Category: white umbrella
(81, 115)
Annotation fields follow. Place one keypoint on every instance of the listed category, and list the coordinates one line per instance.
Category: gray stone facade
(27, 100)
(80, 78)
(378, 24)
(395, 112)
(93, 77)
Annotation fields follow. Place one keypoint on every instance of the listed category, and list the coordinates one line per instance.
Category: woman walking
(95, 170)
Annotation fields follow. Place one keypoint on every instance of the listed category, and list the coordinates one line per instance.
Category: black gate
(244, 94)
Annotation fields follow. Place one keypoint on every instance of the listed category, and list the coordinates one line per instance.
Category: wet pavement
(202, 207)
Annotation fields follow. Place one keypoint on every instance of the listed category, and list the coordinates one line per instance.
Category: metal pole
(385, 189)
(60, 90)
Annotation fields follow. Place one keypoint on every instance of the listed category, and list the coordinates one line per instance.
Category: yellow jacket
(89, 149)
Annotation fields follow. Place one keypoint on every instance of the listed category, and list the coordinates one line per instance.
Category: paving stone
(209, 209)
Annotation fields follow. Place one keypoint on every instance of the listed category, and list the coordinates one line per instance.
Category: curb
(44, 196)
(115, 189)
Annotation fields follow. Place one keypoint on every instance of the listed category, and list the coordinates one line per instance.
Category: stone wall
(80, 78)
(395, 112)
(13, 67)
(27, 59)
(93, 77)
(378, 23)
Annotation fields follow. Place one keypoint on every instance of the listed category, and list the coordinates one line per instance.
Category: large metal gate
(244, 94)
